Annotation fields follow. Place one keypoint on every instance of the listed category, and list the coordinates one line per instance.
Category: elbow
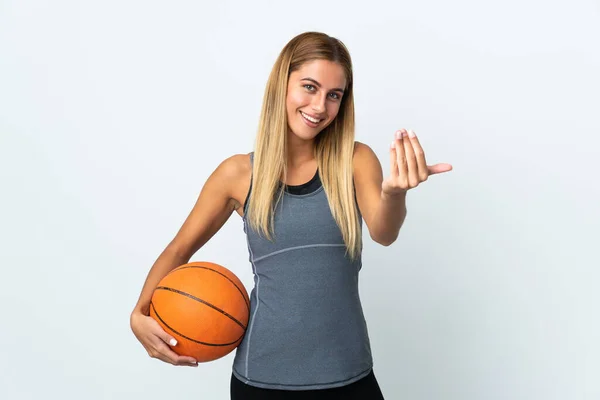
(388, 235)
(388, 242)
(385, 241)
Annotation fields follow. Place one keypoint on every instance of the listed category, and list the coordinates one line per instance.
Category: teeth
(311, 119)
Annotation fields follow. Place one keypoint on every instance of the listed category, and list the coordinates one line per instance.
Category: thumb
(438, 168)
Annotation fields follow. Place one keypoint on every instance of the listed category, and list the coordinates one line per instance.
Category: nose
(318, 104)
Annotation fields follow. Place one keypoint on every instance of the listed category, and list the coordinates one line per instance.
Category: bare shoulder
(364, 157)
(235, 173)
(235, 167)
(218, 199)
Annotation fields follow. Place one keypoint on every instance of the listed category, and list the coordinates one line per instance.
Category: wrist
(393, 195)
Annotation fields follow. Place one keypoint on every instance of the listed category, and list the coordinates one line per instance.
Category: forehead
(328, 73)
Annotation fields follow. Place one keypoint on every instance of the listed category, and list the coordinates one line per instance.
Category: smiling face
(313, 97)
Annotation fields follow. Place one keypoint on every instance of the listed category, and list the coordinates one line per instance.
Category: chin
(302, 136)
(305, 133)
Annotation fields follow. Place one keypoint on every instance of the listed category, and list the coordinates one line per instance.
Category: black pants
(366, 388)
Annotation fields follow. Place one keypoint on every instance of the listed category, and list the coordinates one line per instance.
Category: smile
(308, 118)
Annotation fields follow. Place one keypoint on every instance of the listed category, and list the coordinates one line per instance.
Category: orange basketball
(205, 307)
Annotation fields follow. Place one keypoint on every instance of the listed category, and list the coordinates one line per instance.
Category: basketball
(205, 307)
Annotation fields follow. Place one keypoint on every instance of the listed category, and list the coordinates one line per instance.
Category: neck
(299, 151)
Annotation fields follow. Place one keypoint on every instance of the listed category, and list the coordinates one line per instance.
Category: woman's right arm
(213, 208)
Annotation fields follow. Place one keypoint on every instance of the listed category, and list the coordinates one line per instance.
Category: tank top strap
(251, 178)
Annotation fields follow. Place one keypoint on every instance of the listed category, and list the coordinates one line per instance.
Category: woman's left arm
(382, 202)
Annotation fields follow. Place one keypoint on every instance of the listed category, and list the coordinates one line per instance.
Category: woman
(303, 194)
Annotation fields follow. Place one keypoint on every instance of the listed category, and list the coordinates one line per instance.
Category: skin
(315, 89)
(381, 201)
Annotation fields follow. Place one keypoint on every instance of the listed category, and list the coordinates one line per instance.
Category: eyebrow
(319, 85)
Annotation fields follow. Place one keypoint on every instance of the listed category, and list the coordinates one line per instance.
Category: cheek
(333, 110)
(296, 99)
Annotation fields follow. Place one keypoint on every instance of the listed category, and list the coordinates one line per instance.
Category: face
(313, 97)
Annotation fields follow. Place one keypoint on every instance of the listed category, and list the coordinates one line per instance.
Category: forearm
(166, 262)
(389, 218)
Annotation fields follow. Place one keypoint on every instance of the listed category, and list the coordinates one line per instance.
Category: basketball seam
(189, 338)
(225, 313)
(223, 275)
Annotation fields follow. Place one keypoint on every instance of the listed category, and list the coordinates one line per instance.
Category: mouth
(311, 120)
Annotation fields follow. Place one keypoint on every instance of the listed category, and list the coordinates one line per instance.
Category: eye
(309, 87)
(335, 95)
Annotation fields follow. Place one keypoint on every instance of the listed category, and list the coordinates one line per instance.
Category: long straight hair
(334, 145)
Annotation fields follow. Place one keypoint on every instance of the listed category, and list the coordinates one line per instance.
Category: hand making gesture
(408, 164)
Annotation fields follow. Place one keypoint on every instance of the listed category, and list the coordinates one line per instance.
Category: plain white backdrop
(114, 113)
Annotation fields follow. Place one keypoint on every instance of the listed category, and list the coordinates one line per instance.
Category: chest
(298, 221)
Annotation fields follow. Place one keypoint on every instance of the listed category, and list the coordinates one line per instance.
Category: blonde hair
(334, 145)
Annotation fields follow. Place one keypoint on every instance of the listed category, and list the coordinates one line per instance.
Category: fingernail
(173, 342)
(404, 134)
(411, 133)
(398, 135)
(392, 145)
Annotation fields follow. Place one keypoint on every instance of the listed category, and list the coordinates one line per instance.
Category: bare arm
(213, 208)
(383, 214)
(383, 202)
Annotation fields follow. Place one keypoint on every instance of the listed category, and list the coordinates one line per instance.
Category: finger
(160, 333)
(155, 353)
(185, 360)
(163, 358)
(411, 162)
(420, 156)
(162, 340)
(165, 338)
(393, 161)
(165, 352)
(401, 159)
(439, 168)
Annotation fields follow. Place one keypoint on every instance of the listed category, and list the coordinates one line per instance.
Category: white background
(114, 113)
